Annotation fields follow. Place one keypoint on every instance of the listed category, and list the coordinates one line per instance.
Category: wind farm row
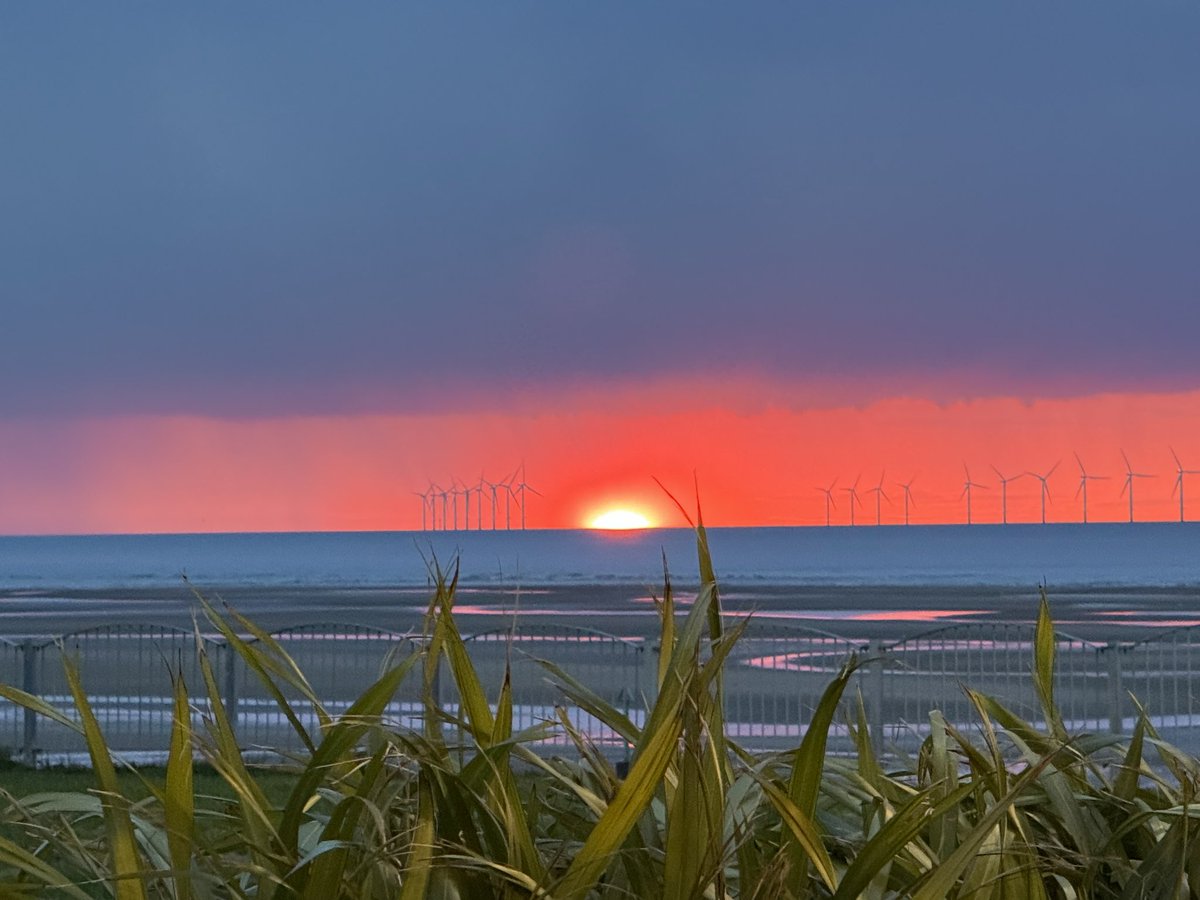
(440, 507)
(853, 501)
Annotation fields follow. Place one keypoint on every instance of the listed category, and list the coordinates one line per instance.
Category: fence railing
(773, 682)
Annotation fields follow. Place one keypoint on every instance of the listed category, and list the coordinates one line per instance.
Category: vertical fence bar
(230, 687)
(877, 661)
(29, 686)
(1115, 723)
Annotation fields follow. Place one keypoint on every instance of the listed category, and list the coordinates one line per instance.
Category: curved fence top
(769, 629)
(545, 632)
(131, 630)
(1169, 634)
(986, 631)
(338, 631)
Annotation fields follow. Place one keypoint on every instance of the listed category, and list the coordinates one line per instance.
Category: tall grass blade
(808, 766)
(420, 853)
(127, 870)
(262, 666)
(179, 801)
(941, 881)
(21, 859)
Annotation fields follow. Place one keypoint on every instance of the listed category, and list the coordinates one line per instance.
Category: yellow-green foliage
(464, 807)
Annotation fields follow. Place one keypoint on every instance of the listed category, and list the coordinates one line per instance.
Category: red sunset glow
(756, 466)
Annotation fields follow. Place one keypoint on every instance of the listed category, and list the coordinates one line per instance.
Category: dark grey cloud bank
(240, 209)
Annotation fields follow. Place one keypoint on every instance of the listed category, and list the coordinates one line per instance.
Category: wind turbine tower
(455, 491)
(1045, 487)
(907, 486)
(879, 494)
(522, 486)
(493, 486)
(1180, 471)
(1004, 493)
(1130, 475)
(829, 501)
(967, 485)
(853, 492)
(1084, 478)
(479, 504)
(445, 495)
(424, 508)
(509, 496)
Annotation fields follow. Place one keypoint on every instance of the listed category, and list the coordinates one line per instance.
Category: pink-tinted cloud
(759, 462)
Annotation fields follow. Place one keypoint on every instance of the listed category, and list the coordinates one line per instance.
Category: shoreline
(867, 611)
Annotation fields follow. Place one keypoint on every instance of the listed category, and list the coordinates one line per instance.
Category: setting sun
(620, 520)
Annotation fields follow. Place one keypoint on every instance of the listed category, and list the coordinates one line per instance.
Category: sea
(1063, 555)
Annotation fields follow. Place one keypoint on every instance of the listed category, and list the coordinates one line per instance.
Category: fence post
(230, 687)
(876, 702)
(1115, 719)
(436, 687)
(29, 686)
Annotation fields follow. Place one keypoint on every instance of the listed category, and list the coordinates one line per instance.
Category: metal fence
(773, 682)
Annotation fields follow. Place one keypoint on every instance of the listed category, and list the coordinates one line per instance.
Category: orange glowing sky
(758, 463)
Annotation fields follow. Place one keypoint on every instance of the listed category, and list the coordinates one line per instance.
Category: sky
(278, 267)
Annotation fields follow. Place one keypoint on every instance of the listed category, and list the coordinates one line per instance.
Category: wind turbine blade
(1053, 467)
(1128, 467)
(1082, 482)
(1080, 461)
(1125, 486)
(1178, 481)
(533, 491)
(998, 473)
(1178, 464)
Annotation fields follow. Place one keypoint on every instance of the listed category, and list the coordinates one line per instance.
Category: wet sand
(860, 611)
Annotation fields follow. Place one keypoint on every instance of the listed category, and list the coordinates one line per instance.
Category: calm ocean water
(1093, 555)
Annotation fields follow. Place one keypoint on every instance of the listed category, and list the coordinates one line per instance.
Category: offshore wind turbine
(424, 508)
(493, 486)
(1179, 473)
(907, 486)
(479, 505)
(1004, 493)
(522, 486)
(455, 491)
(1084, 478)
(853, 492)
(1045, 487)
(1129, 476)
(445, 495)
(878, 492)
(466, 491)
(509, 496)
(967, 485)
(829, 501)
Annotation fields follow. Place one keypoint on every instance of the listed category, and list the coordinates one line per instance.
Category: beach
(888, 611)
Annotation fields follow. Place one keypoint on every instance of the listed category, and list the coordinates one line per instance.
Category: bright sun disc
(620, 520)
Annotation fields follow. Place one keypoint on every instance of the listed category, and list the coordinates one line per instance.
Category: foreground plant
(464, 807)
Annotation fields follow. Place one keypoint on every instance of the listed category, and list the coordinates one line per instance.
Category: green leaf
(179, 811)
(127, 869)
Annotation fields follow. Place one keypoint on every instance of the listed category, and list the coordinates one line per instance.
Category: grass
(20, 781)
(464, 808)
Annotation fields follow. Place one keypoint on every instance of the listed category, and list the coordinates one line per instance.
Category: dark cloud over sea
(251, 210)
